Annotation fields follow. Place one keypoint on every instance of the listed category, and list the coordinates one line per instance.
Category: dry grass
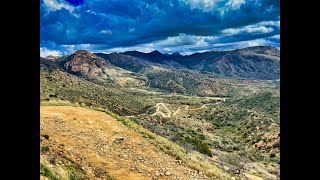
(193, 159)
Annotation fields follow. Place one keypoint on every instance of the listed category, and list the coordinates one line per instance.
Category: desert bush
(44, 149)
(199, 145)
(46, 136)
(45, 171)
(272, 155)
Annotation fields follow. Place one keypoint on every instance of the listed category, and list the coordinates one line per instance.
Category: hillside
(169, 78)
(78, 143)
(260, 62)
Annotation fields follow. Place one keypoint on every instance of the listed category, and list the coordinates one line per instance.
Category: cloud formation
(44, 52)
(168, 26)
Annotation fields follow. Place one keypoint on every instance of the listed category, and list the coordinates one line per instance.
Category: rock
(157, 174)
(120, 138)
(226, 168)
(168, 173)
(154, 178)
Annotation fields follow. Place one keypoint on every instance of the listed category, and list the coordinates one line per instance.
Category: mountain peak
(156, 52)
(176, 54)
(84, 53)
(51, 57)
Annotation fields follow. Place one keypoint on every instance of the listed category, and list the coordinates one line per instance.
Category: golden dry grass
(89, 137)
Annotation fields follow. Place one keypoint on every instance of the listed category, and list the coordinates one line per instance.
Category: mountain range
(197, 74)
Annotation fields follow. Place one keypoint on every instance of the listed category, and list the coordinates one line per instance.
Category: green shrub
(199, 145)
(44, 149)
(272, 155)
(47, 173)
(46, 136)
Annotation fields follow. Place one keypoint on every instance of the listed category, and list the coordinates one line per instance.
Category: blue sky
(184, 26)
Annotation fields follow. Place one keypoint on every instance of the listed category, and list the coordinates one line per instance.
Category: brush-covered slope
(167, 77)
(260, 62)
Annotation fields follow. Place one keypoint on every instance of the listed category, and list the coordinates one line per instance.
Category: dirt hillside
(101, 148)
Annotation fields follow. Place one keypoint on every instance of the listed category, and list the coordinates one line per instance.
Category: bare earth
(95, 140)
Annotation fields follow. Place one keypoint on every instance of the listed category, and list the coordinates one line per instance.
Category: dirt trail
(161, 113)
(95, 140)
(168, 115)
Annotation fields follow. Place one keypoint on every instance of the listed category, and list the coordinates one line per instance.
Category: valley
(226, 116)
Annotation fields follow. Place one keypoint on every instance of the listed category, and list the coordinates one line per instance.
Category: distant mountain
(260, 62)
(176, 54)
(50, 57)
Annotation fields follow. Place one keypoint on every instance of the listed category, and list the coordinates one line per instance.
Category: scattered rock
(119, 139)
(168, 173)
(226, 168)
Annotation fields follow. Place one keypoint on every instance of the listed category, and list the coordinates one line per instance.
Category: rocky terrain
(96, 146)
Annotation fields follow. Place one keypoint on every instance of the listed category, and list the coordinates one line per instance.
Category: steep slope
(59, 84)
(85, 64)
(79, 143)
(127, 62)
(254, 62)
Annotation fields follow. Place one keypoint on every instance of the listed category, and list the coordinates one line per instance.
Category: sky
(184, 26)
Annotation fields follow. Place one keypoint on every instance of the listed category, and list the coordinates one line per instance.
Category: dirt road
(168, 112)
(167, 115)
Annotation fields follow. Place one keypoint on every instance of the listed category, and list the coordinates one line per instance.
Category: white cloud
(235, 4)
(188, 44)
(210, 5)
(276, 36)
(68, 49)
(55, 5)
(270, 23)
(44, 52)
(244, 44)
(106, 32)
(248, 29)
(91, 12)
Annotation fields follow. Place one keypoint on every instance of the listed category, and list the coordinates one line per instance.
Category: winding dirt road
(161, 113)
(168, 112)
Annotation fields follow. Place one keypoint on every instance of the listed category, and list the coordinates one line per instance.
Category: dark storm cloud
(99, 24)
